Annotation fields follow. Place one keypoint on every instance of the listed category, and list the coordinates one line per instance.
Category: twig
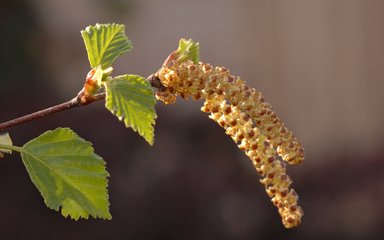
(80, 100)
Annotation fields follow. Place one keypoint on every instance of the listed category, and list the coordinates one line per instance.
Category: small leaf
(6, 141)
(104, 43)
(68, 174)
(131, 98)
(188, 50)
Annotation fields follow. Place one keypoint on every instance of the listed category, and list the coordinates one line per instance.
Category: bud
(91, 85)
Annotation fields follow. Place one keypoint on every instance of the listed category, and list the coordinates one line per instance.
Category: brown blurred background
(319, 63)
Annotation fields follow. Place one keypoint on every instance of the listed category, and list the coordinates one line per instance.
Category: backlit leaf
(104, 43)
(131, 98)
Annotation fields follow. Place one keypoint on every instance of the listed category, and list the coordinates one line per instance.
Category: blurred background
(319, 63)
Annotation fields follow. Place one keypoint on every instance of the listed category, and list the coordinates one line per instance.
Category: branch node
(156, 82)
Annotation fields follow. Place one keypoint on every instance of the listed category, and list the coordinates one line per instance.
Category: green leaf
(104, 43)
(68, 174)
(188, 50)
(131, 98)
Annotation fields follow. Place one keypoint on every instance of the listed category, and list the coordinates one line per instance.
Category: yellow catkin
(189, 80)
(248, 119)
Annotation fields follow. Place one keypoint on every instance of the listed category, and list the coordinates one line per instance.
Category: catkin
(248, 119)
(189, 80)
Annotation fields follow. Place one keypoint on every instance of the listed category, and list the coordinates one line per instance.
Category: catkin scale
(247, 119)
